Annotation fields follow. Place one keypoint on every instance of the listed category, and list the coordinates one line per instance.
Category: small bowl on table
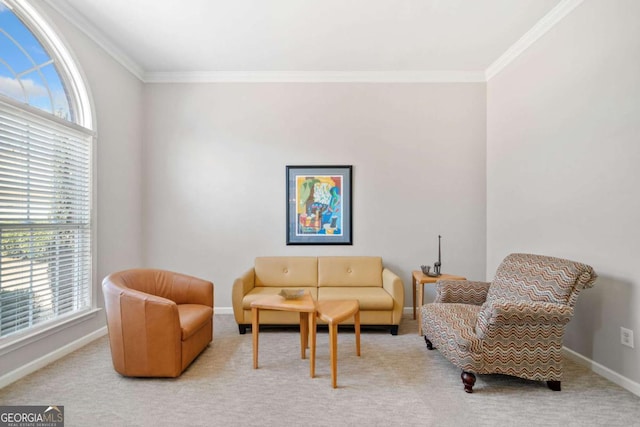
(291, 293)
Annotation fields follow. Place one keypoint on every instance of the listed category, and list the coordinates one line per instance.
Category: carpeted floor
(396, 382)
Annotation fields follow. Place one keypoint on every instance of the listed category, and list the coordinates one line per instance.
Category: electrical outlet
(626, 337)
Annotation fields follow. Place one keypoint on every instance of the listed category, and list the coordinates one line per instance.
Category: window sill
(10, 344)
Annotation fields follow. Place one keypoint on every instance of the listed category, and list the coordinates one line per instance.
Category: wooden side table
(418, 281)
(306, 306)
(335, 312)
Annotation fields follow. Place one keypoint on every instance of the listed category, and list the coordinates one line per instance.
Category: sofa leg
(429, 344)
(468, 379)
(394, 329)
(242, 329)
(554, 385)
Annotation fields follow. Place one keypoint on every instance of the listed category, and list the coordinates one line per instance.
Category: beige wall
(117, 97)
(563, 151)
(215, 157)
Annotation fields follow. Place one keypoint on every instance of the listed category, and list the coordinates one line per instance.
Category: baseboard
(601, 370)
(223, 310)
(43, 361)
(229, 310)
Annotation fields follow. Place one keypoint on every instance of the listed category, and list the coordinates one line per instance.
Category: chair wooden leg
(468, 379)
(429, 344)
(554, 385)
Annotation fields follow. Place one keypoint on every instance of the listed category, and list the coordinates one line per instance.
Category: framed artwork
(319, 205)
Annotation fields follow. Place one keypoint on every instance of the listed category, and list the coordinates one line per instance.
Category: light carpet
(396, 381)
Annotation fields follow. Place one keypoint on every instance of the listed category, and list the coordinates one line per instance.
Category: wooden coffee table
(306, 306)
(335, 312)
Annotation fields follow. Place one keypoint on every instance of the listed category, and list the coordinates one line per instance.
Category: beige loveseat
(379, 291)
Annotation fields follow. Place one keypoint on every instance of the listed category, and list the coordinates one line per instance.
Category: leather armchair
(513, 325)
(158, 321)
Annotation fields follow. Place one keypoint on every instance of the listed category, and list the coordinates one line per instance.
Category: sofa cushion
(192, 318)
(371, 298)
(284, 272)
(350, 271)
(263, 291)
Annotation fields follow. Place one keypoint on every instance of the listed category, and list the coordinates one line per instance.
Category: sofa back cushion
(350, 271)
(526, 277)
(286, 271)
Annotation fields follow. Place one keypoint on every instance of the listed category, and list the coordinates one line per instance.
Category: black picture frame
(319, 205)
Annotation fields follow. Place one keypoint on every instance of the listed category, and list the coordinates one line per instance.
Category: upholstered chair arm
(241, 286)
(461, 291)
(132, 315)
(499, 314)
(192, 290)
(392, 283)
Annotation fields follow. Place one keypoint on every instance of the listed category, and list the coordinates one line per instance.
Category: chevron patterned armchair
(513, 325)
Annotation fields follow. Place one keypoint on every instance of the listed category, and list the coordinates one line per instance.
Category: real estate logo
(32, 416)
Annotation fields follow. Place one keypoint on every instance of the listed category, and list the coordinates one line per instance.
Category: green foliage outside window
(26, 244)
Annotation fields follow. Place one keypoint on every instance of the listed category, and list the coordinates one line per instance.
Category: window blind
(45, 219)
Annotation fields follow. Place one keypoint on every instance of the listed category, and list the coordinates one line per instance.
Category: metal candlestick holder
(436, 265)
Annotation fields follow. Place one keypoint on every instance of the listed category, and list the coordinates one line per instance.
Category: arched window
(46, 146)
(27, 72)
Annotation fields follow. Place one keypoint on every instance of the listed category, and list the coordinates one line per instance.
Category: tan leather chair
(158, 321)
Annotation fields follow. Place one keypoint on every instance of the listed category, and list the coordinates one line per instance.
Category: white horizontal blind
(45, 219)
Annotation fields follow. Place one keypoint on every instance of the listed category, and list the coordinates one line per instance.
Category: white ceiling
(182, 37)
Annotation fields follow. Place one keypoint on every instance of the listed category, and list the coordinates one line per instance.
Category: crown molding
(77, 19)
(530, 37)
(314, 77)
(547, 22)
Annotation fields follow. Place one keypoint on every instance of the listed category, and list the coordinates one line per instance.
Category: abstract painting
(319, 205)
